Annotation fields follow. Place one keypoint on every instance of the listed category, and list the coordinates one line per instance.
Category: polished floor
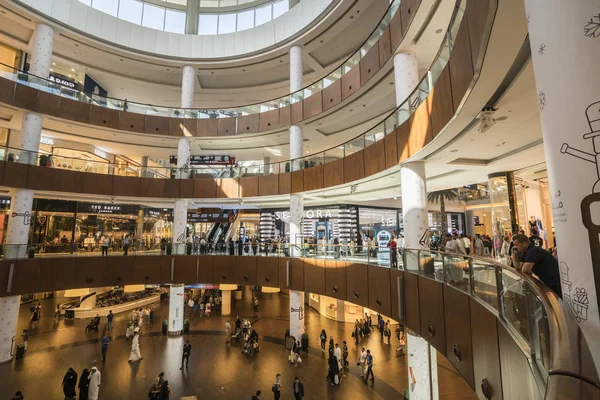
(217, 370)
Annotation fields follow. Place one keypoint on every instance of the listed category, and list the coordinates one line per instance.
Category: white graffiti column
(414, 209)
(565, 44)
(406, 78)
(22, 199)
(41, 58)
(184, 149)
(176, 309)
(296, 200)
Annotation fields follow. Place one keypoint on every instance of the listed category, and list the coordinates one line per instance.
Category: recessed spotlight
(357, 11)
(320, 41)
(438, 30)
(503, 118)
(168, 70)
(351, 110)
(453, 151)
(76, 45)
(120, 59)
(352, 17)
(280, 61)
(212, 73)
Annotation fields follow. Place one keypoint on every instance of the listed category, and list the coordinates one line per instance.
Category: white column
(406, 76)
(422, 369)
(296, 314)
(179, 226)
(564, 37)
(225, 302)
(188, 83)
(414, 208)
(176, 309)
(9, 311)
(266, 165)
(41, 51)
(140, 229)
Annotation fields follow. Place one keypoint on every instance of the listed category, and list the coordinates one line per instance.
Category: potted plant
(165, 326)
(186, 326)
(304, 341)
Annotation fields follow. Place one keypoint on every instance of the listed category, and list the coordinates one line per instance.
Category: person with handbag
(276, 389)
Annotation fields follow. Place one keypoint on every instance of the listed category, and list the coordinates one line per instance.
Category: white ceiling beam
(312, 63)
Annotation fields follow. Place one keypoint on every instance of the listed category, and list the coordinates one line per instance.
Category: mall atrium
(308, 199)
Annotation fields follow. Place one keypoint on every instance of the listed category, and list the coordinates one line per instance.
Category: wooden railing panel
(461, 65)
(268, 185)
(396, 32)
(335, 279)
(441, 103)
(297, 112)
(313, 105)
(248, 123)
(75, 110)
(285, 183)
(126, 186)
(412, 303)
(249, 186)
(269, 120)
(25, 97)
(205, 188)
(298, 181)
(408, 9)
(369, 65)
(151, 187)
(420, 129)
(354, 167)
(15, 175)
(109, 118)
(172, 187)
(268, 272)
(131, 122)
(334, 174)
(332, 95)
(313, 178)
(431, 300)
(205, 269)
(146, 269)
(285, 116)
(226, 126)
(357, 284)
(458, 332)
(380, 291)
(119, 271)
(395, 293)
(246, 270)
(228, 188)
(391, 149)
(7, 91)
(96, 184)
(477, 14)
(385, 46)
(375, 158)
(351, 82)
(48, 103)
(296, 274)
(223, 269)
(314, 275)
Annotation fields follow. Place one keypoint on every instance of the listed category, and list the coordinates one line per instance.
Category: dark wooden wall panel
(285, 183)
(205, 188)
(351, 81)
(166, 269)
(150, 187)
(391, 149)
(119, 272)
(7, 91)
(246, 269)
(74, 110)
(332, 95)
(313, 105)
(48, 103)
(296, 274)
(207, 127)
(458, 332)
(146, 270)
(461, 65)
(172, 187)
(408, 9)
(335, 279)
(297, 113)
(441, 103)
(431, 301)
(380, 291)
(402, 134)
(131, 122)
(61, 180)
(186, 269)
(285, 116)
(108, 118)
(486, 358)
(91, 272)
(395, 274)
(25, 97)
(97, 184)
(249, 186)
(477, 18)
(313, 178)
(223, 269)
(420, 129)
(226, 126)
(374, 158)
(190, 127)
(354, 166)
(269, 120)
(186, 188)
(227, 188)
(411, 302)
(298, 181)
(314, 275)
(205, 269)
(53, 274)
(268, 185)
(396, 32)
(333, 173)
(248, 123)
(385, 46)
(126, 186)
(14, 174)
(153, 124)
(25, 276)
(268, 272)
(357, 283)
(369, 65)
(176, 127)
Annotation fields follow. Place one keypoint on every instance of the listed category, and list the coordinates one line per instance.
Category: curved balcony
(402, 135)
(504, 332)
(50, 98)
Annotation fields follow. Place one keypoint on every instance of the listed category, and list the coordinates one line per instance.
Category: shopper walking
(277, 387)
(165, 391)
(337, 353)
(323, 338)
(256, 305)
(362, 361)
(105, 242)
(69, 382)
(135, 346)
(227, 332)
(104, 346)
(95, 382)
(387, 333)
(345, 362)
(109, 320)
(298, 389)
(334, 370)
(187, 349)
(257, 395)
(84, 384)
(369, 362)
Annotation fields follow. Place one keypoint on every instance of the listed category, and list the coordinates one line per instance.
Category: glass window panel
(154, 17)
(175, 21)
(207, 24)
(86, 2)
(209, 3)
(131, 10)
(263, 15)
(180, 2)
(280, 8)
(227, 23)
(106, 6)
(245, 20)
(227, 3)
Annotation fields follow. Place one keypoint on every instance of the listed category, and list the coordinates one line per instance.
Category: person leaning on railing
(528, 258)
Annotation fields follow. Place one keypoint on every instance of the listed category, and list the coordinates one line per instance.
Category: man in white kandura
(135, 347)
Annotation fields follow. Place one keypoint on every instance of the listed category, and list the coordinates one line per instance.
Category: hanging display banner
(564, 37)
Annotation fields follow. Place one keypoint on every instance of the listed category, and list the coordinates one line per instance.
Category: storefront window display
(77, 160)
(4, 213)
(9, 58)
(125, 167)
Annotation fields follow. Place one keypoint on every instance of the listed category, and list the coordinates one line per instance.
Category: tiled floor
(217, 370)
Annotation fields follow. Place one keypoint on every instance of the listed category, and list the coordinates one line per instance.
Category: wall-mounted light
(356, 294)
(335, 289)
(378, 300)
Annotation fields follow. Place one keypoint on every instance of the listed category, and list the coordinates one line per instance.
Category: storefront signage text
(388, 221)
(100, 153)
(46, 140)
(105, 208)
(310, 214)
(62, 82)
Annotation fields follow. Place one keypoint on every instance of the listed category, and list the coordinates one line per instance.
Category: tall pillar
(564, 39)
(406, 75)
(296, 314)
(469, 223)
(140, 229)
(422, 368)
(414, 203)
(225, 302)
(191, 21)
(188, 84)
(267, 166)
(144, 164)
(503, 201)
(176, 309)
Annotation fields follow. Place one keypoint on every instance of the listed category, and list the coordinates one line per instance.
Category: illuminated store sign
(63, 82)
(100, 153)
(310, 214)
(104, 208)
(46, 140)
